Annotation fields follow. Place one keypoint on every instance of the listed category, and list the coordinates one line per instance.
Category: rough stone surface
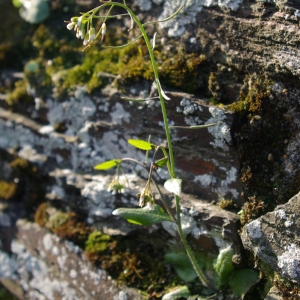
(205, 157)
(42, 266)
(274, 294)
(242, 42)
(274, 238)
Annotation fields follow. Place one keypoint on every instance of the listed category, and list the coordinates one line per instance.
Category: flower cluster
(145, 197)
(116, 186)
(85, 30)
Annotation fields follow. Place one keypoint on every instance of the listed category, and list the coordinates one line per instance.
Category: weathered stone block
(274, 238)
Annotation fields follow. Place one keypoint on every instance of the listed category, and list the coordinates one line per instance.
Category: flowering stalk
(146, 194)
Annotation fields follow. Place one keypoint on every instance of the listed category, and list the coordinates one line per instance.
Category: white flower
(71, 25)
(79, 21)
(86, 39)
(142, 199)
(78, 33)
(92, 34)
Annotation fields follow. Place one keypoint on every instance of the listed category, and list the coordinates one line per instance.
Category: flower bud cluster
(145, 197)
(84, 29)
(116, 186)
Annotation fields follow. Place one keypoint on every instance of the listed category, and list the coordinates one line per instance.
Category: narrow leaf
(153, 44)
(107, 164)
(146, 216)
(161, 90)
(140, 144)
(138, 99)
(173, 185)
(162, 162)
(194, 127)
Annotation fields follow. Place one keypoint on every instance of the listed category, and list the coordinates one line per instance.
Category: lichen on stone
(176, 26)
(254, 230)
(221, 131)
(289, 261)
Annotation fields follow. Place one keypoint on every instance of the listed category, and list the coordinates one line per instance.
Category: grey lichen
(99, 201)
(176, 26)
(254, 230)
(221, 131)
(289, 261)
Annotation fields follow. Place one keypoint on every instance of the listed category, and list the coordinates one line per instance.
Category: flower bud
(79, 20)
(86, 39)
(92, 34)
(71, 25)
(103, 27)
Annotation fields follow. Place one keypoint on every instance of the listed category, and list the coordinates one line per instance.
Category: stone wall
(52, 135)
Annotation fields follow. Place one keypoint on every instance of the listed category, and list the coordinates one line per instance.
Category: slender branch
(167, 19)
(123, 46)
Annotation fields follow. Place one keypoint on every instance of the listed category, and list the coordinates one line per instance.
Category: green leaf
(182, 265)
(177, 293)
(16, 3)
(173, 185)
(242, 280)
(146, 216)
(223, 265)
(162, 162)
(140, 144)
(108, 164)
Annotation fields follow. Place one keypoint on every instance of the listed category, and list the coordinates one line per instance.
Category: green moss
(8, 190)
(135, 260)
(132, 63)
(256, 91)
(261, 132)
(70, 226)
(226, 204)
(97, 242)
(288, 289)
(60, 127)
(41, 216)
(19, 94)
(19, 164)
(183, 71)
(57, 220)
(213, 85)
(31, 183)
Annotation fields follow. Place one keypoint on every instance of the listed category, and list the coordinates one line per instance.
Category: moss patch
(289, 290)
(31, 184)
(7, 190)
(136, 260)
(261, 131)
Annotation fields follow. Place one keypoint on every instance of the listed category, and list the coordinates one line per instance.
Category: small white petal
(70, 26)
(79, 21)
